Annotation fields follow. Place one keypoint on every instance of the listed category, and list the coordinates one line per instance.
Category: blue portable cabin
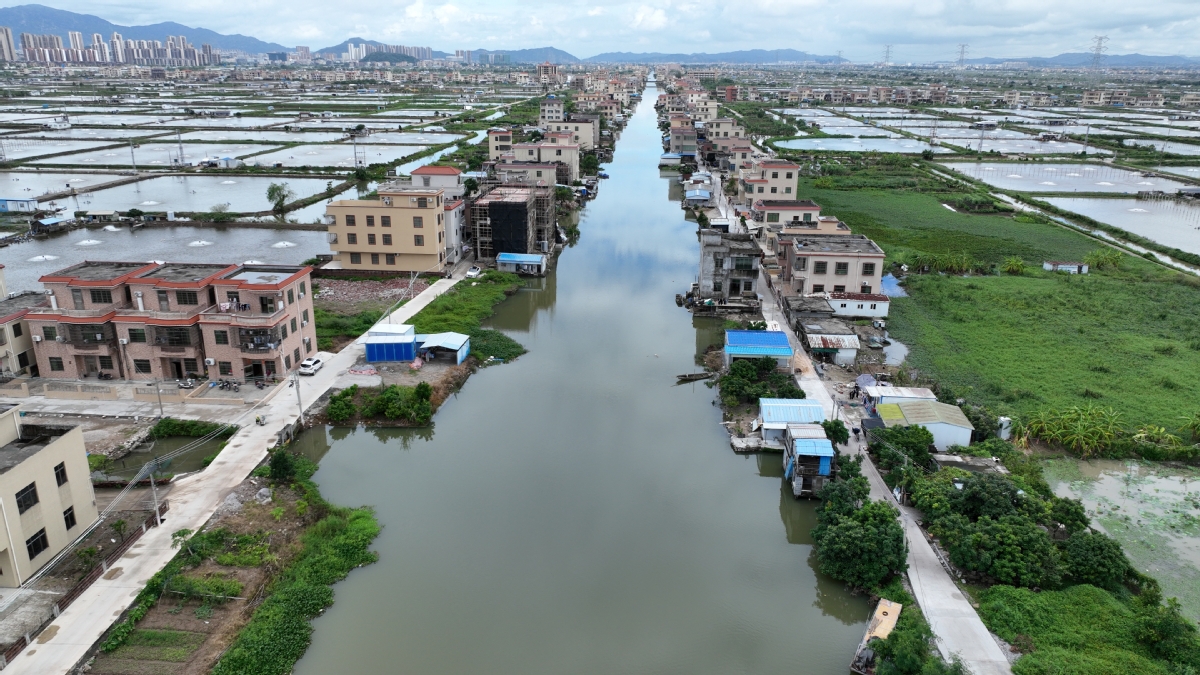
(808, 461)
(521, 263)
(755, 344)
(390, 342)
(18, 205)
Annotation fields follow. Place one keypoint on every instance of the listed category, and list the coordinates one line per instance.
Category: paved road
(193, 500)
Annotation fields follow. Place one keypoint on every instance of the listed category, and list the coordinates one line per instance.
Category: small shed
(46, 225)
(775, 415)
(697, 197)
(521, 263)
(947, 423)
(755, 344)
(840, 349)
(669, 159)
(390, 342)
(103, 216)
(1068, 267)
(807, 460)
(455, 343)
(18, 205)
(876, 395)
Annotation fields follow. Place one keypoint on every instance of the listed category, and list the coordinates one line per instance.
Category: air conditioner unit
(303, 323)
(413, 200)
(124, 341)
(49, 292)
(38, 338)
(137, 293)
(60, 338)
(387, 201)
(279, 294)
(210, 362)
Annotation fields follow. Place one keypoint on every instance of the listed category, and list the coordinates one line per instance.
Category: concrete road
(193, 500)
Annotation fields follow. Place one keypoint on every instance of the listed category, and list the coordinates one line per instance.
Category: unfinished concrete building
(729, 265)
(513, 219)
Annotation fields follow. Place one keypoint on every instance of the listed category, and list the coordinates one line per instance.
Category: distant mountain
(748, 56)
(47, 20)
(1079, 59)
(538, 55)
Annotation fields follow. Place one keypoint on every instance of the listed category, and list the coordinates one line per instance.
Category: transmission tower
(887, 55)
(1099, 47)
(839, 61)
(962, 56)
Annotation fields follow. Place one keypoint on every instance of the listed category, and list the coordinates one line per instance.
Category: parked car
(311, 366)
(474, 272)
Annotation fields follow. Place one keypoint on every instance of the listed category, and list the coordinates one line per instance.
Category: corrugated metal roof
(453, 341)
(520, 258)
(747, 350)
(812, 447)
(900, 392)
(890, 414)
(790, 410)
(833, 342)
(806, 431)
(933, 412)
(757, 338)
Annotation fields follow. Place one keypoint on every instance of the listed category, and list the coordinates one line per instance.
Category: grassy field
(1121, 338)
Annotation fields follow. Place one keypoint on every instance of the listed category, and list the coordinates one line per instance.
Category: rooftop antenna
(887, 55)
(962, 55)
(1099, 47)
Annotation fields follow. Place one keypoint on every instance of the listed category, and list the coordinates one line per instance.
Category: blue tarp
(823, 470)
(520, 258)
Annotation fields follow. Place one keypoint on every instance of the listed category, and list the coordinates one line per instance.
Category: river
(575, 511)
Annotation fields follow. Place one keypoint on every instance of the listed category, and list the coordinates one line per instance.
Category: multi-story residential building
(729, 265)
(550, 111)
(448, 178)
(16, 340)
(773, 179)
(1190, 99)
(584, 130)
(830, 263)
(553, 149)
(513, 219)
(152, 321)
(723, 133)
(500, 141)
(402, 230)
(46, 494)
(8, 48)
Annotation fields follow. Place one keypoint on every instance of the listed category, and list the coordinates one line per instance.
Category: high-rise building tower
(8, 48)
(76, 39)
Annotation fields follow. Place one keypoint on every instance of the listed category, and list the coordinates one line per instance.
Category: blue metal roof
(698, 194)
(790, 411)
(757, 338)
(813, 447)
(520, 258)
(745, 350)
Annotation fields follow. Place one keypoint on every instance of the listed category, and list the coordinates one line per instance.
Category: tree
(836, 431)
(87, 557)
(1011, 550)
(1012, 265)
(1070, 514)
(470, 187)
(279, 194)
(701, 220)
(863, 548)
(119, 526)
(283, 466)
(1097, 559)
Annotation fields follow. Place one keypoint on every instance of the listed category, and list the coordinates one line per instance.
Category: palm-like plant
(1192, 425)
(1155, 435)
(1012, 265)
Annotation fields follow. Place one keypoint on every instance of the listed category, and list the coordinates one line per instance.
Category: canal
(575, 511)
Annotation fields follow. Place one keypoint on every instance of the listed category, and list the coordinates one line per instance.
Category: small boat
(881, 625)
(693, 377)
(874, 343)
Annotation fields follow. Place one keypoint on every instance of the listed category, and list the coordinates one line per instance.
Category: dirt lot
(344, 296)
(186, 638)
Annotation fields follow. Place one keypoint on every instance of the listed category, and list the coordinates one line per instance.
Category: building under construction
(513, 219)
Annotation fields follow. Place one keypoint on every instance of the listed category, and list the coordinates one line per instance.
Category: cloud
(649, 19)
(595, 11)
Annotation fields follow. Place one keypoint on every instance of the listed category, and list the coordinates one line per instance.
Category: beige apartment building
(16, 340)
(768, 179)
(403, 230)
(46, 498)
(830, 263)
(164, 321)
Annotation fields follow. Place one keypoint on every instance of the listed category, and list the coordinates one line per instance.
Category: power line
(962, 55)
(1099, 47)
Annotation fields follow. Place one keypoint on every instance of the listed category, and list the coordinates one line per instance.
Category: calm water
(902, 145)
(1042, 177)
(1168, 222)
(575, 511)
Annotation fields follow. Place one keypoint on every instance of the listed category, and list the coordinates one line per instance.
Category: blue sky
(921, 31)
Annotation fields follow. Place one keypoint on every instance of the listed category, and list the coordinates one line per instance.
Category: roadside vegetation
(463, 309)
(751, 379)
(335, 330)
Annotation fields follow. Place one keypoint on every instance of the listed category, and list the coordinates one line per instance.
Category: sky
(921, 31)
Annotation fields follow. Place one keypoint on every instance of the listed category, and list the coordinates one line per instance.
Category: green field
(1128, 339)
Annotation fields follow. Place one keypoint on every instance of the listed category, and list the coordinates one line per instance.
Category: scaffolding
(512, 218)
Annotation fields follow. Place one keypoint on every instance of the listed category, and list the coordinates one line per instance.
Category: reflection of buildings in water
(710, 331)
(799, 516)
(520, 310)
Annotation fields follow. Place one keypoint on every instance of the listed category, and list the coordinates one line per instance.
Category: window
(868, 269)
(716, 286)
(296, 354)
(801, 264)
(774, 190)
(350, 221)
(808, 217)
(60, 473)
(190, 366)
(387, 240)
(787, 190)
(36, 544)
(302, 289)
(351, 238)
(841, 268)
(789, 174)
(304, 316)
(234, 297)
(307, 345)
(423, 202)
(385, 221)
(818, 288)
(187, 297)
(865, 290)
(101, 296)
(371, 239)
(872, 305)
(27, 498)
(374, 258)
(225, 367)
(839, 289)
(844, 305)
(56, 363)
(355, 258)
(287, 362)
(17, 330)
(772, 217)
(50, 333)
(418, 221)
(760, 189)
(539, 173)
(558, 152)
(418, 240)
(106, 363)
(291, 296)
(221, 337)
(77, 297)
(743, 263)
(69, 517)
(820, 267)
(774, 174)
(141, 366)
(283, 330)
(370, 221)
(293, 324)
(164, 301)
(137, 334)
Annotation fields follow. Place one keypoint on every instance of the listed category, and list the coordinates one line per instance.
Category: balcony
(244, 318)
(259, 348)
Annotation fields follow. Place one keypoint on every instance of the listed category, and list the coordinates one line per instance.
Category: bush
(402, 403)
(751, 379)
(341, 405)
(1097, 559)
(836, 432)
(1011, 550)
(169, 426)
(283, 467)
(862, 547)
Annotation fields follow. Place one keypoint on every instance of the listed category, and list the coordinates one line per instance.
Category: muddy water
(1152, 509)
(575, 511)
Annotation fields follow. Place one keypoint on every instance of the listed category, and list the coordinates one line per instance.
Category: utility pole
(1099, 47)
(299, 403)
(962, 55)
(179, 139)
(839, 62)
(154, 494)
(158, 391)
(132, 159)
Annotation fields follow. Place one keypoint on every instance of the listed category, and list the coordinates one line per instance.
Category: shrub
(283, 467)
(863, 547)
(1097, 559)
(169, 426)
(836, 431)
(1011, 550)
(751, 379)
(341, 405)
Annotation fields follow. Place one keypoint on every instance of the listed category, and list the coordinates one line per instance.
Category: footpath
(193, 500)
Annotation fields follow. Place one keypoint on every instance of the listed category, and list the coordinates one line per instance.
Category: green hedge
(169, 426)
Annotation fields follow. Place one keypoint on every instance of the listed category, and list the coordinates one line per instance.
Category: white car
(474, 272)
(311, 366)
